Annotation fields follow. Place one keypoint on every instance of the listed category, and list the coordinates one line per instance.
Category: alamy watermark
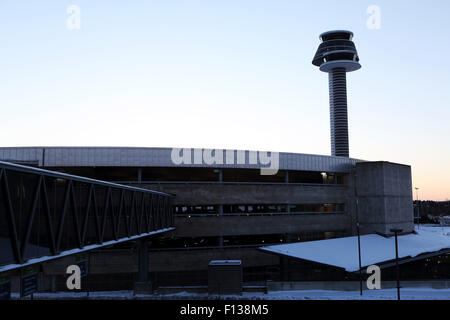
(74, 280)
(374, 280)
(73, 22)
(267, 162)
(374, 20)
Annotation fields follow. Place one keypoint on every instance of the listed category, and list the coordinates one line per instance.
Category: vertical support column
(43, 157)
(139, 175)
(286, 180)
(220, 237)
(53, 286)
(142, 285)
(143, 260)
(284, 269)
(171, 212)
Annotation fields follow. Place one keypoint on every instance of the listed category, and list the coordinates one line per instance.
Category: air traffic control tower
(337, 55)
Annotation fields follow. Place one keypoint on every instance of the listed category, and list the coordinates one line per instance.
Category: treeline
(434, 208)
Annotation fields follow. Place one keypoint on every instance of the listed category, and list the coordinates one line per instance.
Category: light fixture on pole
(359, 258)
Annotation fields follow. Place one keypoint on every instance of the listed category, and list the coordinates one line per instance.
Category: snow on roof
(343, 252)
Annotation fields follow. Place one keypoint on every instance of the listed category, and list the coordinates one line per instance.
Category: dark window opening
(199, 174)
(248, 209)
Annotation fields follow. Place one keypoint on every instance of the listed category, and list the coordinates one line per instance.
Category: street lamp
(396, 231)
(417, 204)
(359, 236)
(359, 256)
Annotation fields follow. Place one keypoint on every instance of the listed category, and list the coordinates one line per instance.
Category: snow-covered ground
(419, 293)
(444, 230)
(383, 294)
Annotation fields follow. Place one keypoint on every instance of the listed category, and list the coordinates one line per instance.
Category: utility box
(225, 277)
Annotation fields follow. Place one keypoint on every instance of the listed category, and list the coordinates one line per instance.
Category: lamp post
(396, 231)
(417, 204)
(359, 235)
(359, 258)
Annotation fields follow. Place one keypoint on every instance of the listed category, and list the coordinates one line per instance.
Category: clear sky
(233, 74)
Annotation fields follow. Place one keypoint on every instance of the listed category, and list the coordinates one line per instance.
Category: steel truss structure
(50, 214)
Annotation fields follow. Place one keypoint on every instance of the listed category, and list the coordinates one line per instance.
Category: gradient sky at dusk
(228, 74)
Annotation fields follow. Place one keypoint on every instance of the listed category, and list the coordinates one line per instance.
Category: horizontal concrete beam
(125, 261)
(197, 226)
(198, 259)
(198, 194)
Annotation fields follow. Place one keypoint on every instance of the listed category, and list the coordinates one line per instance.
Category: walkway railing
(46, 214)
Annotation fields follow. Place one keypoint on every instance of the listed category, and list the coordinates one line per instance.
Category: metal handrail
(54, 174)
(85, 211)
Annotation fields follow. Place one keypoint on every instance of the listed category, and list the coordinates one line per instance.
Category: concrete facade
(197, 194)
(384, 192)
(157, 157)
(378, 194)
(266, 224)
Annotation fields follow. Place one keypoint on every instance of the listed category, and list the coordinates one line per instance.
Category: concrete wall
(126, 261)
(158, 157)
(198, 194)
(384, 193)
(198, 259)
(198, 226)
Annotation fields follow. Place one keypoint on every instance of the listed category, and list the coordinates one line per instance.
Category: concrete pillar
(142, 285)
(44, 283)
(284, 269)
(351, 205)
(289, 237)
(220, 238)
(52, 283)
(15, 284)
(139, 175)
